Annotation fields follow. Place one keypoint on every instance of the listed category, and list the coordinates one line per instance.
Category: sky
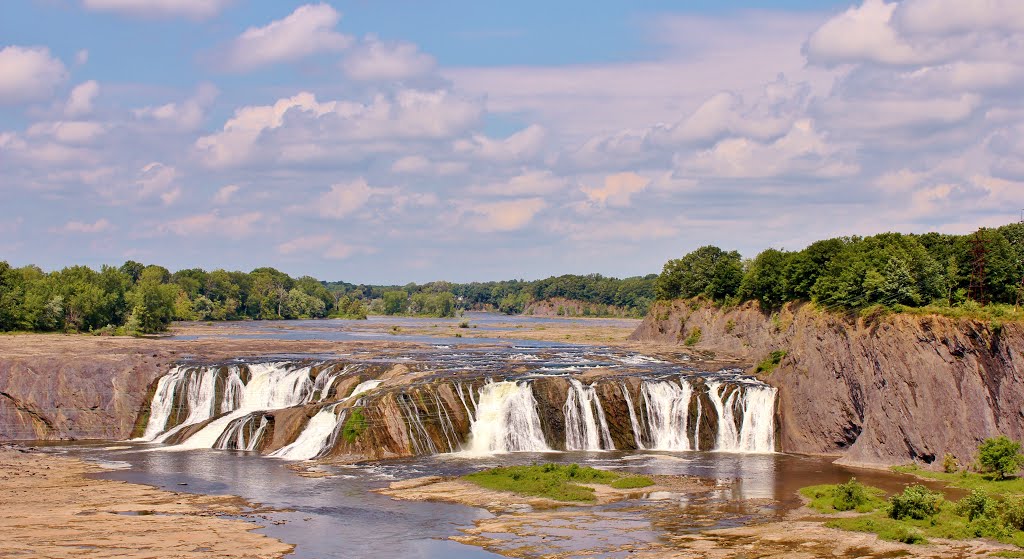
(390, 141)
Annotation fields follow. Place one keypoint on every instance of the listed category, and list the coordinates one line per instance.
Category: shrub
(917, 502)
(1000, 456)
(769, 363)
(730, 325)
(354, 426)
(1013, 512)
(694, 337)
(464, 324)
(849, 495)
(950, 465)
(977, 505)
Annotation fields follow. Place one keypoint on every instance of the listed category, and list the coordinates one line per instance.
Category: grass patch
(553, 481)
(769, 364)
(354, 426)
(884, 527)
(987, 483)
(851, 495)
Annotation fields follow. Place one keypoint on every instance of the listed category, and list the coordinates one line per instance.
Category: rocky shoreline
(50, 507)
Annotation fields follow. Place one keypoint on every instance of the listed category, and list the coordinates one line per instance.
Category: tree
(1000, 456)
(765, 279)
(395, 302)
(708, 271)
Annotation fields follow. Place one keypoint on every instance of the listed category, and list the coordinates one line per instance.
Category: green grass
(969, 480)
(947, 519)
(1007, 554)
(354, 426)
(553, 481)
(829, 499)
(769, 363)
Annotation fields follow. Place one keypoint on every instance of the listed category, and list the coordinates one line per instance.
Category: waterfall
(506, 420)
(269, 386)
(633, 423)
(312, 441)
(418, 436)
(586, 427)
(363, 387)
(243, 433)
(754, 404)
(668, 409)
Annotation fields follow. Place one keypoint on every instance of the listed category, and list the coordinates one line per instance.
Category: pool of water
(340, 516)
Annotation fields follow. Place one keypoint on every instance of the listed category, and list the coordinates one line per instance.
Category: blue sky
(396, 141)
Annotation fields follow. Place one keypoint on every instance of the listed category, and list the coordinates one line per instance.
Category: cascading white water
(240, 434)
(633, 423)
(363, 388)
(755, 405)
(668, 408)
(270, 386)
(506, 420)
(586, 427)
(312, 440)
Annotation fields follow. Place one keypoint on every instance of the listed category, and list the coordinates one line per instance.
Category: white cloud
(420, 165)
(306, 31)
(376, 60)
(522, 145)
(225, 193)
(29, 74)
(81, 98)
(99, 226)
(861, 33)
(214, 224)
(299, 128)
(187, 115)
(343, 199)
(956, 16)
(194, 9)
(802, 152)
(617, 191)
(81, 57)
(158, 180)
(503, 216)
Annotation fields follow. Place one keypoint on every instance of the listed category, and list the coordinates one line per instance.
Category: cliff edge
(876, 391)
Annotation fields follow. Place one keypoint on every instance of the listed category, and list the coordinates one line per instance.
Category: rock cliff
(876, 391)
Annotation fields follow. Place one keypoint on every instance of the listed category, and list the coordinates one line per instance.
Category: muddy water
(340, 516)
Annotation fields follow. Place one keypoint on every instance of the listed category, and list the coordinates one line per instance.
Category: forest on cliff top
(929, 272)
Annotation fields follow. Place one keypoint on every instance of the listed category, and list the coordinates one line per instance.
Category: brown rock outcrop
(877, 391)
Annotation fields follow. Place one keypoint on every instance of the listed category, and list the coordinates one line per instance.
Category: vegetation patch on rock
(554, 481)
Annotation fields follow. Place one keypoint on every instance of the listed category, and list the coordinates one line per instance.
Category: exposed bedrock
(879, 390)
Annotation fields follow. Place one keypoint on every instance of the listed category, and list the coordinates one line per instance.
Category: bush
(849, 495)
(917, 502)
(1013, 512)
(950, 465)
(977, 505)
(354, 426)
(694, 337)
(769, 363)
(1000, 456)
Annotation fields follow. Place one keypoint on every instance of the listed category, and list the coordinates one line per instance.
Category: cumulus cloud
(194, 9)
(81, 98)
(160, 181)
(802, 152)
(186, 115)
(343, 199)
(511, 215)
(522, 145)
(300, 128)
(225, 193)
(306, 31)
(862, 33)
(376, 60)
(953, 16)
(68, 132)
(420, 165)
(617, 191)
(29, 74)
(530, 183)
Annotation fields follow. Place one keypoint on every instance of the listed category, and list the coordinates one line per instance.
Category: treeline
(892, 269)
(135, 298)
(633, 296)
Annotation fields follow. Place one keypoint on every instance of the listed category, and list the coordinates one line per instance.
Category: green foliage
(708, 271)
(771, 362)
(730, 325)
(885, 528)
(851, 495)
(632, 482)
(765, 279)
(553, 481)
(395, 302)
(950, 464)
(977, 505)
(693, 338)
(1000, 456)
(916, 502)
(355, 425)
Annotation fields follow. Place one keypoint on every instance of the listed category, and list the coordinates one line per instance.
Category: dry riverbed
(50, 508)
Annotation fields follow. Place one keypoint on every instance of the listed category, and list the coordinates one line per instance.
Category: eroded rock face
(879, 391)
(58, 396)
